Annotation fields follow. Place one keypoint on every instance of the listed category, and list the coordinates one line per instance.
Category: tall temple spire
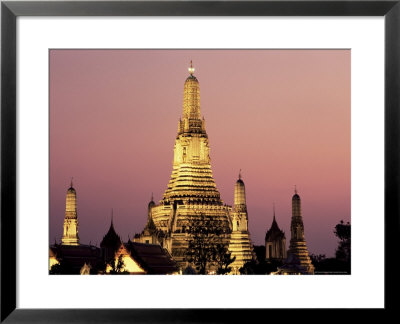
(298, 253)
(192, 177)
(191, 190)
(240, 245)
(70, 232)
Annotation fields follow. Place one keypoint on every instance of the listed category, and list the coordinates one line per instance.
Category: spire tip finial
(72, 178)
(191, 68)
(240, 174)
(295, 189)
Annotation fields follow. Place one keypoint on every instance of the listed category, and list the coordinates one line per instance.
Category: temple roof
(75, 256)
(151, 257)
(274, 233)
(111, 239)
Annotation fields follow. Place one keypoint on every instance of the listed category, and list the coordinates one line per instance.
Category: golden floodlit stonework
(192, 190)
(70, 233)
(240, 244)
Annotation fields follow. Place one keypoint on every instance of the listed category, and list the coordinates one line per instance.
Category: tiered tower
(70, 234)
(240, 245)
(191, 191)
(298, 256)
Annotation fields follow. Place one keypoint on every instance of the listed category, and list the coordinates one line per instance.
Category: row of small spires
(152, 196)
(152, 199)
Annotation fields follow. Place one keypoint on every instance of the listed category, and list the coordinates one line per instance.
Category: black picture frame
(10, 10)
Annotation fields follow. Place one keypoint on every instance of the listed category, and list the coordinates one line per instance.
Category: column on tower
(70, 233)
(240, 244)
(298, 260)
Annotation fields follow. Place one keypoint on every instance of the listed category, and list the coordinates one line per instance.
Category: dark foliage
(259, 250)
(117, 267)
(62, 268)
(265, 267)
(341, 264)
(343, 233)
(223, 258)
(206, 246)
(99, 267)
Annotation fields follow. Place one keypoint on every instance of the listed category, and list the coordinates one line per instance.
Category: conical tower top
(296, 195)
(296, 205)
(191, 96)
(240, 191)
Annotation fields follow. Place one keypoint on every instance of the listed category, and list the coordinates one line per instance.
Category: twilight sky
(282, 116)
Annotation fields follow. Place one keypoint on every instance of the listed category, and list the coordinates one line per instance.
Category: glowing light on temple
(191, 68)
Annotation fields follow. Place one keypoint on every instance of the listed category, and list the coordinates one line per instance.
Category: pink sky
(282, 116)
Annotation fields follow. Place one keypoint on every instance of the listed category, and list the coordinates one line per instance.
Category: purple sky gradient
(282, 116)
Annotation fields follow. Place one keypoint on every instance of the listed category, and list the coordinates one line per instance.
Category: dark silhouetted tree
(117, 267)
(317, 258)
(205, 244)
(62, 268)
(259, 250)
(343, 233)
(223, 258)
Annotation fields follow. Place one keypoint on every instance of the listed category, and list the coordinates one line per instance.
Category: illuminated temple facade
(192, 192)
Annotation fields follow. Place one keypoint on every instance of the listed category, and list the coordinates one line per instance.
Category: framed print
(292, 150)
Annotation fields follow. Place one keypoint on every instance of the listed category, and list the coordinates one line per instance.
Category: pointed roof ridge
(274, 231)
(111, 237)
(274, 224)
